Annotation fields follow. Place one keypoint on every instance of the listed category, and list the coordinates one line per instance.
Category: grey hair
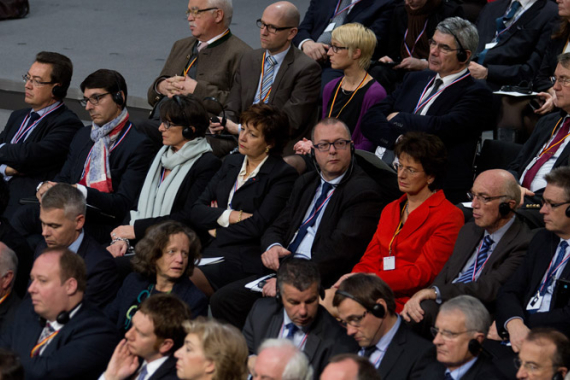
(564, 59)
(226, 7)
(8, 260)
(476, 315)
(65, 197)
(560, 177)
(298, 367)
(463, 31)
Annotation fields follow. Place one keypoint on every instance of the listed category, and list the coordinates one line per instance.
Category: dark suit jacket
(18, 244)
(41, 155)
(167, 371)
(8, 310)
(325, 339)
(457, 116)
(338, 245)
(518, 55)
(514, 296)
(374, 14)
(554, 48)
(102, 277)
(263, 195)
(295, 90)
(482, 369)
(215, 67)
(81, 349)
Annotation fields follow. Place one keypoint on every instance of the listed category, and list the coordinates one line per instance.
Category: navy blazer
(325, 337)
(41, 155)
(518, 54)
(554, 48)
(135, 283)
(264, 196)
(80, 350)
(102, 276)
(483, 368)
(374, 14)
(167, 371)
(515, 295)
(457, 116)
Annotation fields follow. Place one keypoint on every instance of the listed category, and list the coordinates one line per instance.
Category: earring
(266, 149)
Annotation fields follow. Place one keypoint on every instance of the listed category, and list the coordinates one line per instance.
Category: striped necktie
(467, 276)
(270, 63)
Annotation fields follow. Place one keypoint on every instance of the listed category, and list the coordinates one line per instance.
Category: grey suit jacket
(295, 90)
(215, 67)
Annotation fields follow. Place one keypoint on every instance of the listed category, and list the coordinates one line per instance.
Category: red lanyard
(337, 12)
(421, 104)
(20, 134)
(415, 42)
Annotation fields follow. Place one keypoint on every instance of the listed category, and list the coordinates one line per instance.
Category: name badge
(490, 45)
(390, 263)
(535, 302)
(330, 27)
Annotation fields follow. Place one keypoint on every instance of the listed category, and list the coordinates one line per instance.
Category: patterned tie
(550, 274)
(314, 213)
(547, 154)
(291, 330)
(47, 331)
(467, 276)
(501, 26)
(270, 63)
(338, 20)
(143, 373)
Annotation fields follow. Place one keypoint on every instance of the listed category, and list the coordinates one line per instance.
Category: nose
(32, 287)
(177, 353)
(557, 86)
(129, 333)
(437, 339)
(88, 106)
(242, 136)
(303, 310)
(161, 127)
(351, 330)
(178, 257)
(46, 231)
(28, 84)
(330, 52)
(476, 203)
(521, 373)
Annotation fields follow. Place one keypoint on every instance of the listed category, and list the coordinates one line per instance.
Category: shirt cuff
(224, 219)
(438, 299)
(302, 42)
(83, 190)
(510, 319)
(273, 245)
(3, 172)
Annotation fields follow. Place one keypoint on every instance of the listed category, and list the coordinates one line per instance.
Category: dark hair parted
(562, 355)
(366, 370)
(151, 248)
(168, 313)
(10, 366)
(299, 273)
(429, 151)
(110, 80)
(187, 111)
(271, 121)
(71, 265)
(61, 68)
(367, 288)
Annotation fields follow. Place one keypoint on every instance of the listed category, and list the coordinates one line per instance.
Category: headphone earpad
(58, 92)
(474, 347)
(118, 98)
(504, 209)
(461, 55)
(62, 318)
(378, 311)
(187, 133)
(568, 211)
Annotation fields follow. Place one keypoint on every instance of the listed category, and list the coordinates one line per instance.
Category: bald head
(504, 182)
(288, 12)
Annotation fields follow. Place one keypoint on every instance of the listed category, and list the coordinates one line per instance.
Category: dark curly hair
(270, 120)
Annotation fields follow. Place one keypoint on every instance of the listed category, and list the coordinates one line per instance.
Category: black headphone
(58, 91)
(558, 376)
(461, 52)
(215, 119)
(474, 347)
(568, 212)
(376, 310)
(187, 132)
(505, 209)
(62, 318)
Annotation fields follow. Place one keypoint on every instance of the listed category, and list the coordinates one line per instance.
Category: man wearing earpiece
(35, 142)
(367, 307)
(57, 334)
(445, 101)
(544, 355)
(296, 315)
(460, 329)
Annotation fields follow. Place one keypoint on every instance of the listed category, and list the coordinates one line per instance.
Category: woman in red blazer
(417, 232)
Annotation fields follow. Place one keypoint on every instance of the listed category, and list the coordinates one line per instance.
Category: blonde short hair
(356, 36)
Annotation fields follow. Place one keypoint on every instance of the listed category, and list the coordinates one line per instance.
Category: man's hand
(412, 64)
(232, 127)
(524, 193)
(118, 249)
(385, 59)
(11, 171)
(187, 86)
(43, 188)
(493, 334)
(412, 308)
(270, 258)
(392, 115)
(517, 333)
(316, 50)
(548, 104)
(170, 86)
(478, 71)
(122, 364)
(126, 231)
(341, 279)
(303, 147)
(270, 288)
(235, 216)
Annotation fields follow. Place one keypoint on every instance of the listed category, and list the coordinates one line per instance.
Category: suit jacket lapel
(254, 75)
(287, 61)
(545, 257)
(304, 203)
(357, 9)
(226, 186)
(395, 349)
(520, 24)
(469, 245)
(449, 94)
(502, 246)
(275, 325)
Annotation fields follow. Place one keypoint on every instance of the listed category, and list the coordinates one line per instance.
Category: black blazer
(338, 244)
(483, 368)
(81, 349)
(263, 195)
(167, 371)
(40, 157)
(554, 48)
(514, 296)
(325, 338)
(519, 53)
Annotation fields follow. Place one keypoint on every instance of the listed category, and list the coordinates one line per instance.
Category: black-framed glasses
(483, 198)
(35, 82)
(93, 99)
(447, 335)
(338, 145)
(167, 124)
(411, 171)
(354, 321)
(445, 49)
(553, 205)
(336, 49)
(271, 28)
(195, 12)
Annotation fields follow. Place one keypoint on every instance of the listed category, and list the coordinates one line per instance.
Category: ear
(165, 346)
(563, 370)
(292, 33)
(468, 53)
(356, 54)
(219, 16)
(7, 280)
(79, 222)
(430, 179)
(71, 286)
(209, 366)
(480, 337)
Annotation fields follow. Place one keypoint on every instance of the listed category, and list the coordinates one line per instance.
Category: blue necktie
(314, 213)
(143, 373)
(448, 376)
(559, 257)
(291, 330)
(501, 26)
(270, 63)
(467, 276)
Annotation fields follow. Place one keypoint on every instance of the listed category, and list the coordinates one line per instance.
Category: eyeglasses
(35, 82)
(338, 145)
(167, 124)
(195, 12)
(445, 49)
(553, 205)
(411, 171)
(529, 367)
(171, 253)
(563, 81)
(271, 28)
(335, 48)
(482, 198)
(93, 99)
(447, 335)
(354, 321)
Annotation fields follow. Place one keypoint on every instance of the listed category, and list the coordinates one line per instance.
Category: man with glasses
(445, 101)
(277, 74)
(547, 147)
(35, 142)
(366, 306)
(487, 251)
(459, 331)
(544, 355)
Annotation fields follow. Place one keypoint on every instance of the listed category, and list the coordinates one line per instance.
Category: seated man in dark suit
(157, 332)
(486, 253)
(544, 354)
(35, 141)
(9, 300)
(513, 36)
(278, 74)
(62, 215)
(107, 162)
(445, 101)
(297, 316)
(367, 307)
(315, 226)
(349, 367)
(460, 328)
(72, 340)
